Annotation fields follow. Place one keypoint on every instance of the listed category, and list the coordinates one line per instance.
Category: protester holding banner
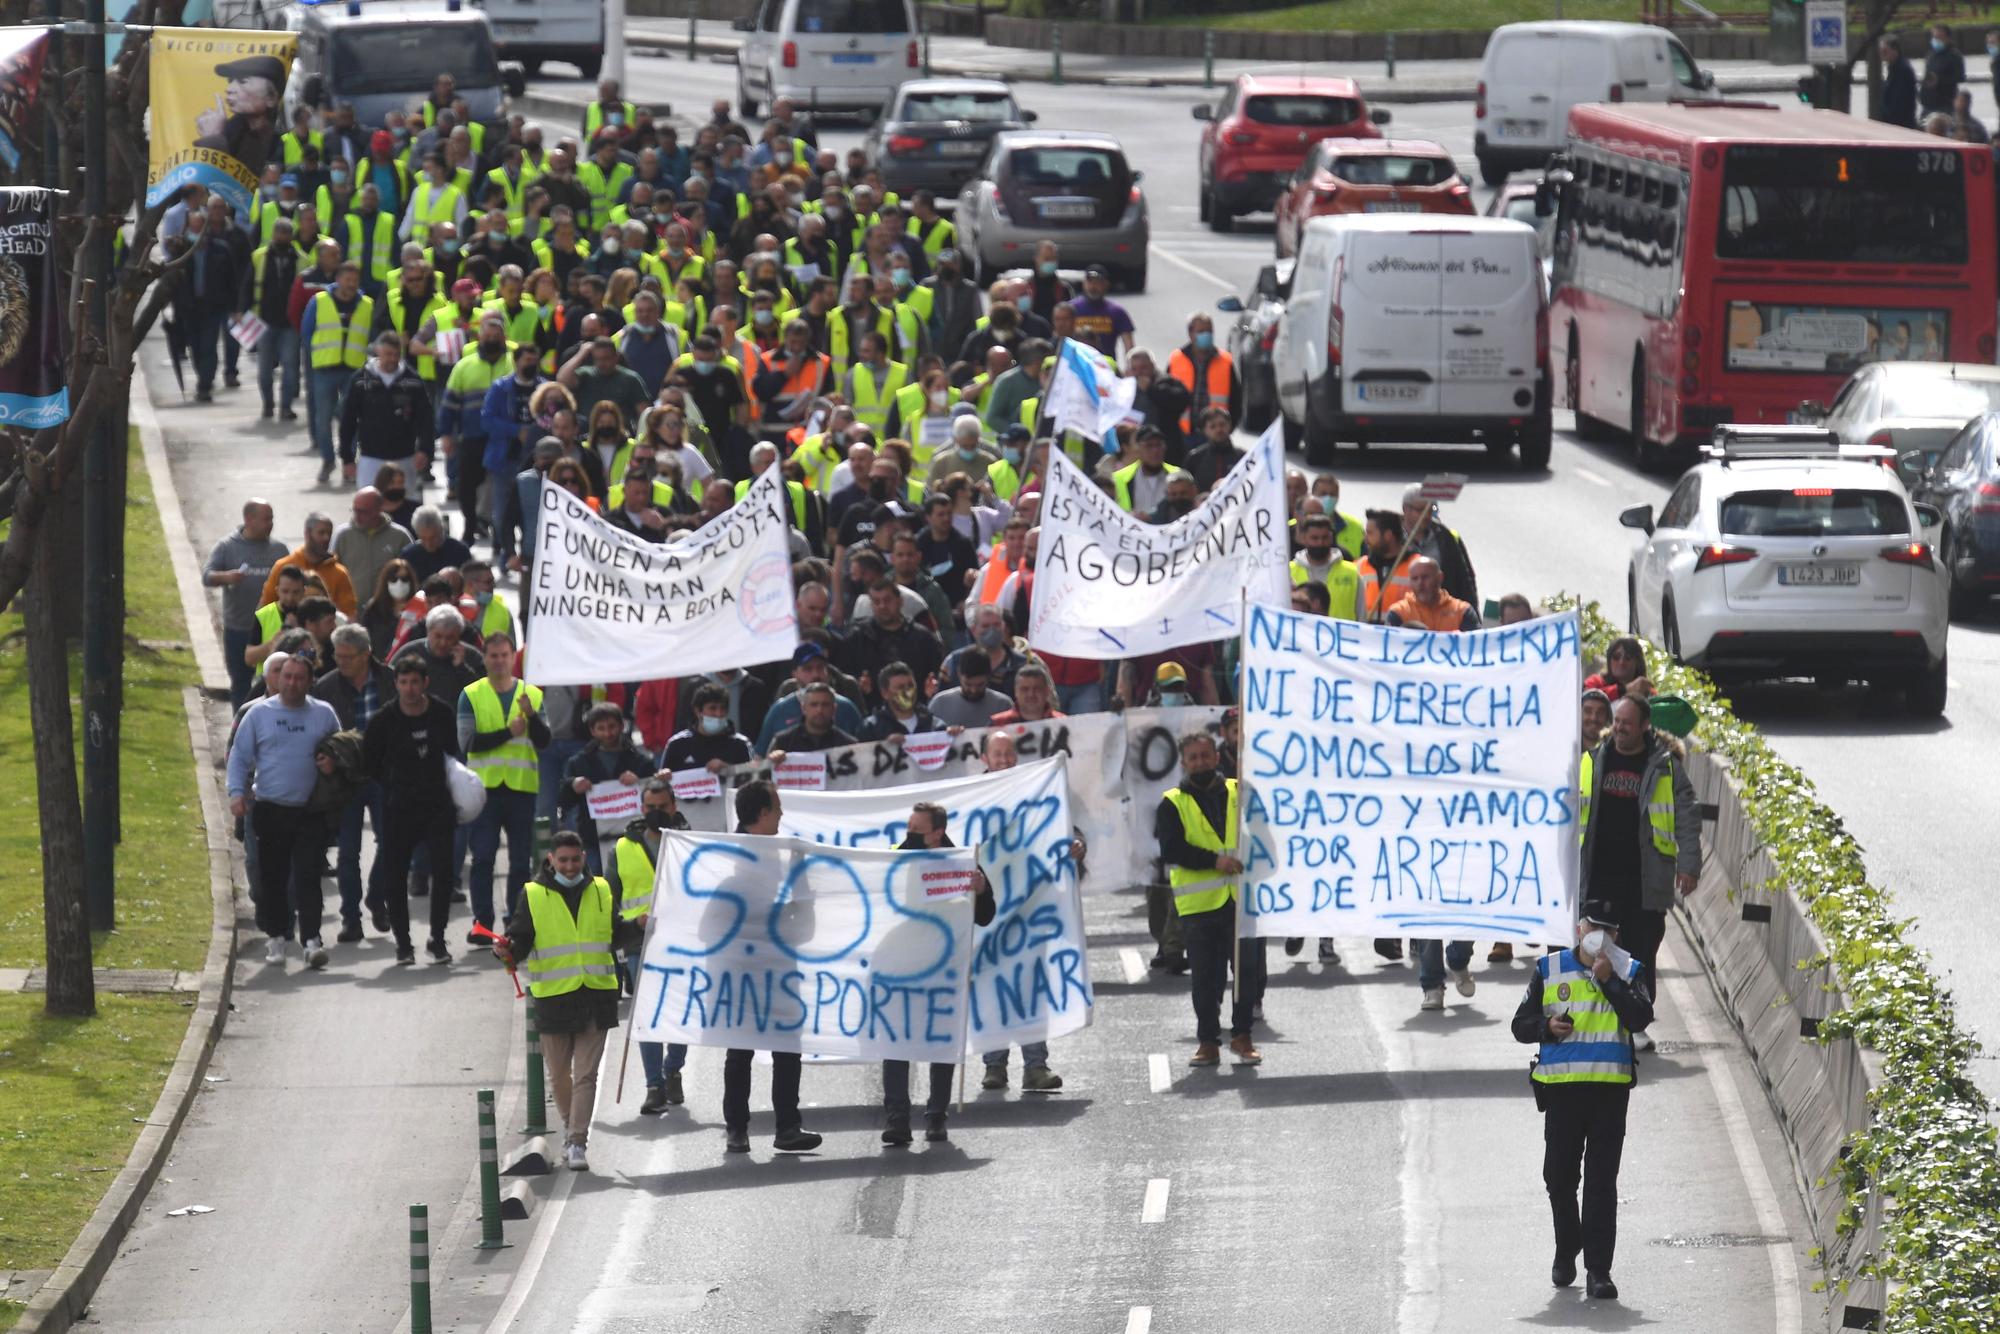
(610, 756)
(1197, 826)
(999, 754)
(631, 875)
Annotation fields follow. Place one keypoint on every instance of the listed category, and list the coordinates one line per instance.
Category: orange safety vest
(993, 578)
(1220, 369)
(807, 379)
(753, 366)
(1448, 615)
(1378, 595)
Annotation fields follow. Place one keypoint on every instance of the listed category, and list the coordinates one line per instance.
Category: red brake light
(1617, 92)
(1479, 101)
(1910, 553)
(791, 56)
(1269, 338)
(1000, 206)
(1882, 439)
(911, 55)
(905, 143)
(1988, 498)
(1720, 553)
(1812, 490)
(1133, 199)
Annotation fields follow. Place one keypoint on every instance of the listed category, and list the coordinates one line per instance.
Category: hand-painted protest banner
(32, 392)
(1030, 970)
(1087, 394)
(771, 944)
(1408, 783)
(22, 51)
(216, 95)
(607, 606)
(1109, 585)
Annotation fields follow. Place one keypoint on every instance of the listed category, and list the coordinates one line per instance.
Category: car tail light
(1812, 490)
(1479, 101)
(910, 55)
(1721, 553)
(1986, 500)
(1910, 553)
(1617, 93)
(906, 143)
(791, 56)
(1882, 439)
(1268, 339)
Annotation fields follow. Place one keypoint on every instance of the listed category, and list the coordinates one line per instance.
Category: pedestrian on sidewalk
(269, 279)
(501, 729)
(239, 565)
(564, 931)
(358, 687)
(632, 863)
(758, 811)
(1585, 1005)
(272, 763)
(403, 750)
(1196, 826)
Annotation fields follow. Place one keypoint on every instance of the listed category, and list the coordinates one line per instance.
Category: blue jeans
(1034, 1055)
(241, 675)
(1086, 698)
(329, 392)
(660, 1059)
(1433, 958)
(554, 758)
(513, 813)
(280, 349)
(347, 868)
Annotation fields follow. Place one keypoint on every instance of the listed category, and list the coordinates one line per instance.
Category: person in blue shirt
(510, 426)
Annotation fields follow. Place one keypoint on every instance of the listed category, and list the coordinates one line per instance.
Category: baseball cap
(289, 179)
(1097, 271)
(1170, 671)
(807, 651)
(1600, 912)
(1149, 432)
(382, 140)
(1017, 433)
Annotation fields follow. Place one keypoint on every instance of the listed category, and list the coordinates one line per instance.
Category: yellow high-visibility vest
(570, 952)
(1194, 890)
(512, 764)
(340, 340)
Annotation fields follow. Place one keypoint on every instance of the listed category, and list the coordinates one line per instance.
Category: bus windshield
(1832, 204)
(407, 58)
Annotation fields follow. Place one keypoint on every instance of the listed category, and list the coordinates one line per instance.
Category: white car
(1784, 555)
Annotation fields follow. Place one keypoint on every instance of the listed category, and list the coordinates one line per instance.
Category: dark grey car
(934, 133)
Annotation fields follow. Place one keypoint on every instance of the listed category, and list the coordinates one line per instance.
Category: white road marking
(1154, 1210)
(1749, 1162)
(1135, 967)
(1595, 479)
(1140, 1321)
(523, 1286)
(1194, 269)
(1160, 1075)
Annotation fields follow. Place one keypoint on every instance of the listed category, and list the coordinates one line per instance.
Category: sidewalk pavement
(970, 57)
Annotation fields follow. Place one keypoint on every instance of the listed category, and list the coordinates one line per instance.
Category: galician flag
(1087, 394)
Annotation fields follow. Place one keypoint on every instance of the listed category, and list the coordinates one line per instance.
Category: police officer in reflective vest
(1196, 827)
(564, 933)
(633, 860)
(1583, 1005)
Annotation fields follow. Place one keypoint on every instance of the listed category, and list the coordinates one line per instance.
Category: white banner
(771, 945)
(1086, 394)
(1408, 783)
(1109, 585)
(1030, 970)
(606, 606)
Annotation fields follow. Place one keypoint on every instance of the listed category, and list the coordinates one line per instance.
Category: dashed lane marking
(1195, 269)
(1135, 967)
(1159, 1074)
(1154, 1210)
(1595, 479)
(1139, 1320)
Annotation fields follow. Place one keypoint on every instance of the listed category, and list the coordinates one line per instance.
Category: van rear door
(1491, 295)
(1391, 354)
(1586, 66)
(852, 43)
(1520, 106)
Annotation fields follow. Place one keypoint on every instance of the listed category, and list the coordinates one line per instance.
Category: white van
(532, 31)
(1415, 327)
(1533, 73)
(827, 55)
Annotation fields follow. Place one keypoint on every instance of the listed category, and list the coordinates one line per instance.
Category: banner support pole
(1236, 834)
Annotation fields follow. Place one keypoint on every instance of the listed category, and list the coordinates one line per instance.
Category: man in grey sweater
(273, 763)
(238, 566)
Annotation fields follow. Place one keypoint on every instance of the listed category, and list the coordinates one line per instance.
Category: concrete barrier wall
(1818, 1091)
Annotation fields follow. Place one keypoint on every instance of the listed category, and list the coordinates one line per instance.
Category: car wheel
(1219, 218)
(1962, 603)
(1319, 442)
(1201, 201)
(1670, 631)
(532, 69)
(590, 68)
(1135, 279)
(746, 105)
(1537, 443)
(1587, 428)
(1294, 433)
(1632, 606)
(1642, 450)
(1925, 693)
(1492, 173)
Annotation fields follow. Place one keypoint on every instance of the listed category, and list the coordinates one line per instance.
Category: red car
(1261, 130)
(1370, 176)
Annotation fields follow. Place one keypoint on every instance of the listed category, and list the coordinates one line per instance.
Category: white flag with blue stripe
(1087, 394)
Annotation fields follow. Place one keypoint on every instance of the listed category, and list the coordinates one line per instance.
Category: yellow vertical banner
(217, 109)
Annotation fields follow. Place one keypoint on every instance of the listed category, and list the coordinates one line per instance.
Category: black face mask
(880, 489)
(1206, 779)
(658, 819)
(393, 496)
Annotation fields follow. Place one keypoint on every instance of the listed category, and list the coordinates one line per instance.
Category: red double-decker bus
(1725, 263)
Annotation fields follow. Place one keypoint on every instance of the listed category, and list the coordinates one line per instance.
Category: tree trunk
(66, 918)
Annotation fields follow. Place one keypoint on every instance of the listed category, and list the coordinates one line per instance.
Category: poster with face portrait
(21, 54)
(217, 98)
(32, 392)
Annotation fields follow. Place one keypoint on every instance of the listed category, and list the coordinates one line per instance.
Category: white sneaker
(1433, 999)
(1463, 977)
(573, 1158)
(315, 953)
(274, 949)
(1643, 1041)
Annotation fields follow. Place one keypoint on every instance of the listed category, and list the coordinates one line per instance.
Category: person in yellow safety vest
(337, 198)
(501, 727)
(444, 90)
(608, 109)
(1647, 768)
(1008, 474)
(495, 616)
(292, 144)
(370, 234)
(512, 178)
(433, 200)
(521, 316)
(1197, 825)
(603, 177)
(338, 324)
(874, 382)
(271, 617)
(1385, 569)
(1588, 1007)
(923, 414)
(821, 454)
(762, 455)
(845, 323)
(1207, 373)
(284, 203)
(406, 307)
(934, 232)
(1141, 485)
(1348, 532)
(632, 861)
(1320, 561)
(461, 311)
(565, 934)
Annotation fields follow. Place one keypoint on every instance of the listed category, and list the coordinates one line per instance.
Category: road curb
(60, 1302)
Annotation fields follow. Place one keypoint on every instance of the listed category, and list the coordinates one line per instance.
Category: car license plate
(961, 147)
(1067, 210)
(513, 25)
(1387, 393)
(1520, 129)
(1840, 574)
(854, 57)
(1392, 208)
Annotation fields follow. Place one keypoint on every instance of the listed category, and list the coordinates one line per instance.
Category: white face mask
(399, 588)
(1593, 944)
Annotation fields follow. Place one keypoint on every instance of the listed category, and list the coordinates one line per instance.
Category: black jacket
(882, 724)
(1899, 94)
(1175, 850)
(391, 421)
(337, 691)
(273, 304)
(1944, 71)
(599, 766)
